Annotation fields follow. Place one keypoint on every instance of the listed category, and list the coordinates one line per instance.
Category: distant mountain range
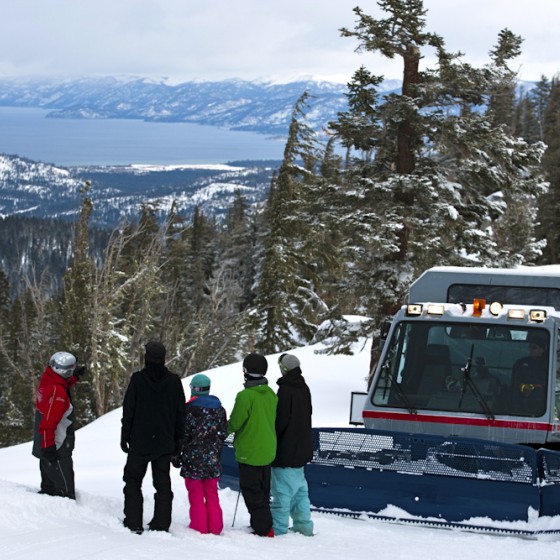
(233, 104)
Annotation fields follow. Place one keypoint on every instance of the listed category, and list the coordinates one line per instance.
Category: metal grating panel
(406, 453)
(550, 465)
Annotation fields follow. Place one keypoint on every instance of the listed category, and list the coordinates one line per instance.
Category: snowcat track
(449, 525)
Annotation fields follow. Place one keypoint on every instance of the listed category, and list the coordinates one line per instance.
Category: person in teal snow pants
(289, 491)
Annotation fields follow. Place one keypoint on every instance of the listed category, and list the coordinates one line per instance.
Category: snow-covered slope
(36, 526)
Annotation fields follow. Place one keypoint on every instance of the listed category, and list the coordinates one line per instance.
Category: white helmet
(63, 363)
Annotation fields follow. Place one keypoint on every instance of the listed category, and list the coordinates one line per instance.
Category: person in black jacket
(152, 423)
(289, 492)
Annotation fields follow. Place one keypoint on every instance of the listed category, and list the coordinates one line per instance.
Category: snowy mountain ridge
(262, 107)
(259, 106)
(41, 190)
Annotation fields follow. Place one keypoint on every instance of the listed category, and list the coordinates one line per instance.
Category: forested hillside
(40, 190)
(458, 168)
(33, 248)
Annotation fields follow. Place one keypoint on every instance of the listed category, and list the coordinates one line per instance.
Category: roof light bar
(478, 306)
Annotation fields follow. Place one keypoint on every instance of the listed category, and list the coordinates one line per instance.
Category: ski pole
(236, 504)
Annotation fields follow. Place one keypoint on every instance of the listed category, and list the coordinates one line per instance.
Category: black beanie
(155, 352)
(255, 365)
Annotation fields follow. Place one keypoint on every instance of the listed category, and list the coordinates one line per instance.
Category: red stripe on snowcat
(468, 421)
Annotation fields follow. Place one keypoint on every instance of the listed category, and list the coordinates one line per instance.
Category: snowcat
(461, 419)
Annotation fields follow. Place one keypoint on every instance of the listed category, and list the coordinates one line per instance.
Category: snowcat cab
(473, 369)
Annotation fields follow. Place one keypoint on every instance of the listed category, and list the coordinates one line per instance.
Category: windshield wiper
(400, 392)
(468, 382)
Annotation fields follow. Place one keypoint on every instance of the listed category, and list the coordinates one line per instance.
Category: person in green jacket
(253, 421)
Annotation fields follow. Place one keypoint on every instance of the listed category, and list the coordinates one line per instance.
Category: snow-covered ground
(35, 526)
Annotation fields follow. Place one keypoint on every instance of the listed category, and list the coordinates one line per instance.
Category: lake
(68, 142)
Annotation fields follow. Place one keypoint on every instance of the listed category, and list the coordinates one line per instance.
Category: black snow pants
(57, 477)
(134, 472)
(254, 483)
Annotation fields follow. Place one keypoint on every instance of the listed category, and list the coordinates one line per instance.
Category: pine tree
(72, 330)
(207, 334)
(201, 257)
(221, 324)
(526, 123)
(446, 181)
(401, 34)
(178, 309)
(540, 98)
(16, 402)
(238, 246)
(25, 347)
(285, 281)
(501, 102)
(549, 225)
(359, 127)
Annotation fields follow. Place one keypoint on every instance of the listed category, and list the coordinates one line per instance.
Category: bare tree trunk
(406, 135)
(122, 315)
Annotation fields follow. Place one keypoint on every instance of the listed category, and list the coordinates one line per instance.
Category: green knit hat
(200, 385)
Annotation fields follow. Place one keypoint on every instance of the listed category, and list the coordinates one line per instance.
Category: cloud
(217, 39)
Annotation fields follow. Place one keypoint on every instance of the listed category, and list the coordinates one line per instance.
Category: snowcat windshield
(490, 370)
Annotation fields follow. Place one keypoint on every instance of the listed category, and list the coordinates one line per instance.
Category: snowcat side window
(392, 367)
(529, 376)
(557, 386)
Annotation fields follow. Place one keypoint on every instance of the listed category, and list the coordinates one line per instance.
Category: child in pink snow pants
(204, 432)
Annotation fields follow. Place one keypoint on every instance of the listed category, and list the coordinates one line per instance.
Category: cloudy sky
(280, 40)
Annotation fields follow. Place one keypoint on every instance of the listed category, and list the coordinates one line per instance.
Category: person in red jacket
(54, 425)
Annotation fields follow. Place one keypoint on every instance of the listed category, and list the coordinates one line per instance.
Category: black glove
(176, 461)
(49, 453)
(80, 372)
(124, 446)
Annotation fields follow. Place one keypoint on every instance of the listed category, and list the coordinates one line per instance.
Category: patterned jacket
(204, 432)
